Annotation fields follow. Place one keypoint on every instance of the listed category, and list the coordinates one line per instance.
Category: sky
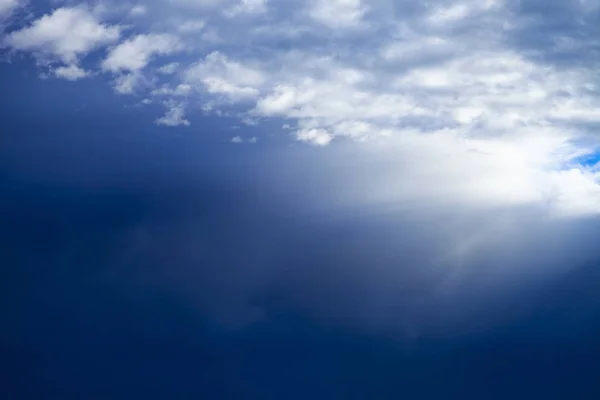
(265, 199)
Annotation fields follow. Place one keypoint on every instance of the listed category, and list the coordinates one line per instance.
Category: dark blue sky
(86, 316)
(284, 231)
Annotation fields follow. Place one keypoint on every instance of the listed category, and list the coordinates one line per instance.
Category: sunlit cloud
(475, 107)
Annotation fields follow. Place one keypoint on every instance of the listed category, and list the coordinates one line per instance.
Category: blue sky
(303, 198)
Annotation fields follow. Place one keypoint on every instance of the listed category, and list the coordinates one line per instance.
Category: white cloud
(182, 89)
(219, 75)
(66, 33)
(135, 53)
(138, 10)
(316, 136)
(444, 81)
(338, 13)
(71, 72)
(168, 69)
(237, 140)
(174, 116)
(128, 83)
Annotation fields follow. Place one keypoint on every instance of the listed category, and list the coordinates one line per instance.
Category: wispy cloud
(8, 7)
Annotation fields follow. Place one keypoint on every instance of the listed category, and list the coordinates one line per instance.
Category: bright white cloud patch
(65, 34)
(316, 136)
(71, 72)
(220, 75)
(134, 54)
(477, 102)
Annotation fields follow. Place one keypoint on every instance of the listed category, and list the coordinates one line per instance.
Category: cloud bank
(489, 102)
(443, 156)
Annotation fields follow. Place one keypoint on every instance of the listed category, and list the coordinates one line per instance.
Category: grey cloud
(563, 33)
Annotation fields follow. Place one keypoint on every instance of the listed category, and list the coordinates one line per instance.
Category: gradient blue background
(77, 169)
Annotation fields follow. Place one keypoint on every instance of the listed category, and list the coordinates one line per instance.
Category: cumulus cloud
(220, 75)
(174, 116)
(71, 72)
(128, 83)
(456, 140)
(168, 69)
(502, 96)
(319, 137)
(65, 34)
(135, 53)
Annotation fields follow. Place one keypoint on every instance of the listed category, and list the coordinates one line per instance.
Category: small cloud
(182, 89)
(253, 140)
(250, 121)
(220, 75)
(315, 136)
(237, 140)
(71, 72)
(128, 83)
(134, 54)
(208, 107)
(168, 69)
(175, 116)
(138, 10)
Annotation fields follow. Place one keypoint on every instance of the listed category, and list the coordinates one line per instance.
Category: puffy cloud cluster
(483, 102)
(66, 35)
